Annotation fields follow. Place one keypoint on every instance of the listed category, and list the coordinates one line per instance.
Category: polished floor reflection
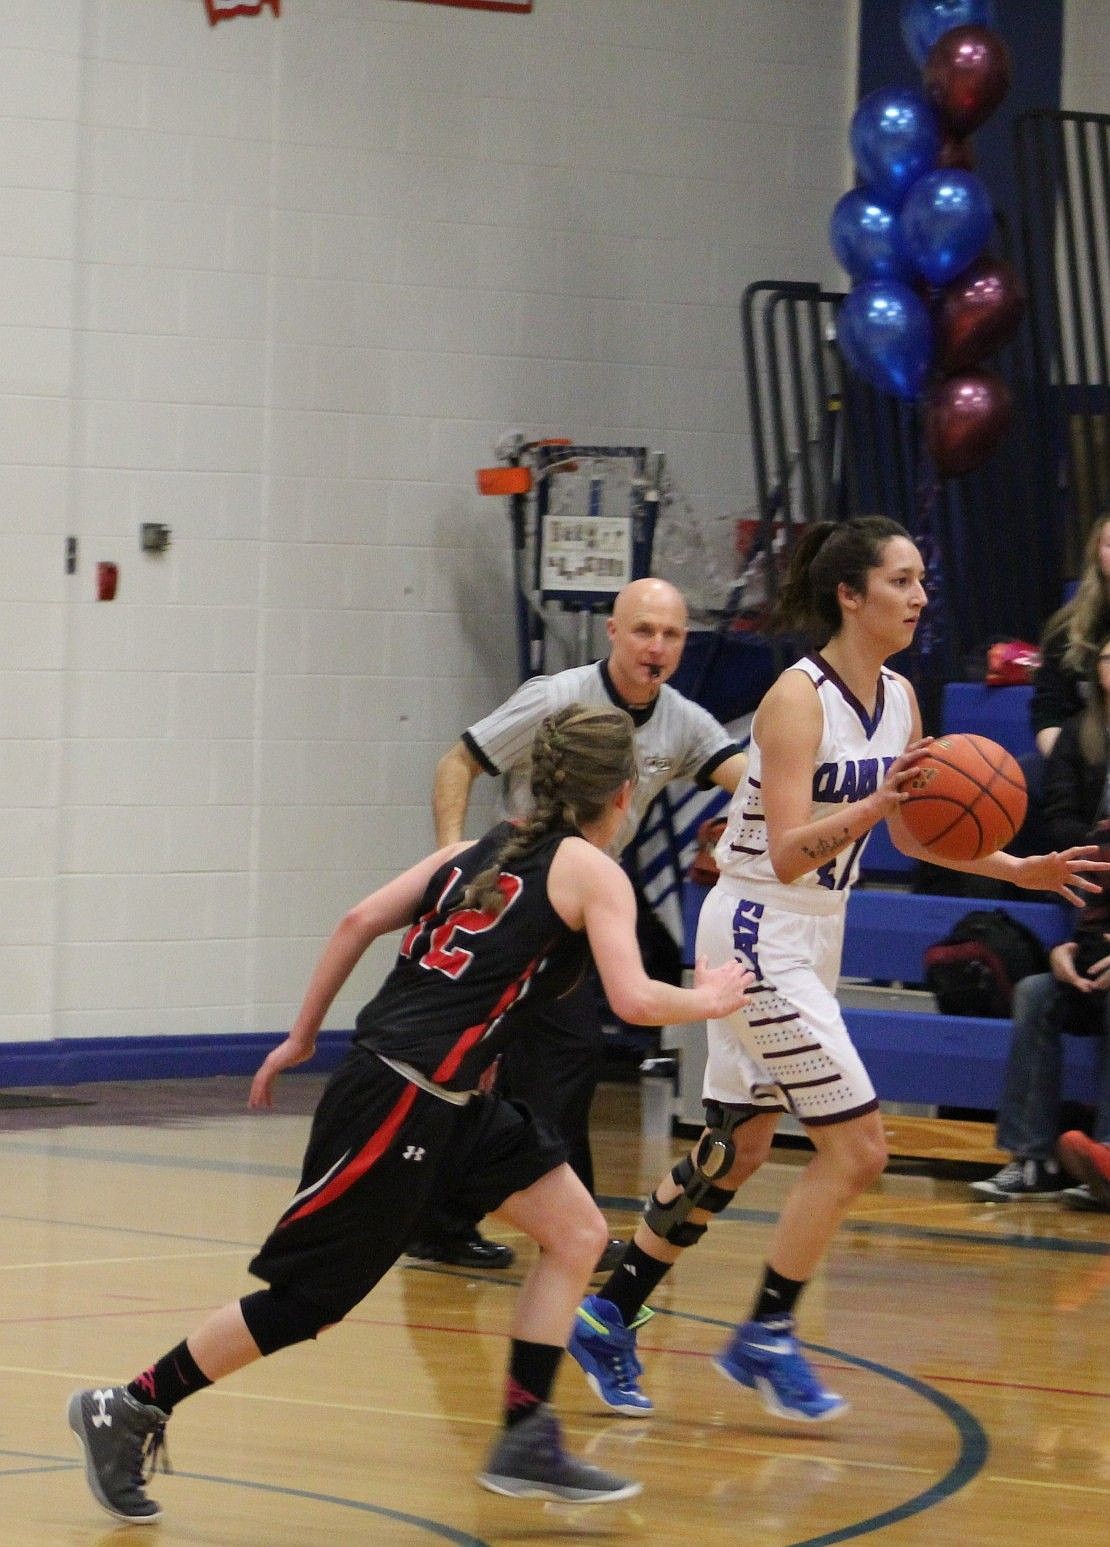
(971, 1339)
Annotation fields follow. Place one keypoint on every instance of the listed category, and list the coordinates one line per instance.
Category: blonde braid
(580, 758)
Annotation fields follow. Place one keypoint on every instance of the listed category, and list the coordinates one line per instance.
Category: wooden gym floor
(973, 1341)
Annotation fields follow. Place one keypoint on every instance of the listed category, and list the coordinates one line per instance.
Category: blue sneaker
(767, 1359)
(606, 1350)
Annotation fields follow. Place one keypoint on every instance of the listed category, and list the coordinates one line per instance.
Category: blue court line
(41, 1470)
(42, 1463)
(974, 1449)
(1015, 1241)
(972, 1457)
(419, 1522)
(154, 1235)
(973, 1443)
(149, 1158)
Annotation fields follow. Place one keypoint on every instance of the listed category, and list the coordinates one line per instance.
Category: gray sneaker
(528, 1462)
(123, 1441)
(1022, 1179)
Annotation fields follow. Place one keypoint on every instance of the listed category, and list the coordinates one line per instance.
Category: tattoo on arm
(821, 848)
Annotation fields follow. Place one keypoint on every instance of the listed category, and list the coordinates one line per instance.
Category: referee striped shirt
(675, 738)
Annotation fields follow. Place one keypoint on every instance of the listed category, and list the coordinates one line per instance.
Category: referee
(555, 1069)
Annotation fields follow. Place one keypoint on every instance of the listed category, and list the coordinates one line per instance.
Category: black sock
(632, 1281)
(175, 1377)
(777, 1296)
(531, 1376)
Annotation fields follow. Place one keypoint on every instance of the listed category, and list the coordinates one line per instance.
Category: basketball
(965, 798)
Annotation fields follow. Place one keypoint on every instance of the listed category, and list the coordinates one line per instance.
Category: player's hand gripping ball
(965, 798)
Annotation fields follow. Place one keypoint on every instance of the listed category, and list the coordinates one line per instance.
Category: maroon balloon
(966, 76)
(956, 153)
(978, 313)
(965, 418)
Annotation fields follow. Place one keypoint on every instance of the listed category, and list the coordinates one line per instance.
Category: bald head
(649, 595)
(647, 631)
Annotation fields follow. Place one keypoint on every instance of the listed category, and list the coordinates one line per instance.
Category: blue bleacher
(922, 1056)
(954, 1060)
(966, 707)
(888, 932)
(1000, 713)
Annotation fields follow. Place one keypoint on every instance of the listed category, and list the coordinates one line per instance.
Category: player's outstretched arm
(1068, 872)
(389, 908)
(590, 891)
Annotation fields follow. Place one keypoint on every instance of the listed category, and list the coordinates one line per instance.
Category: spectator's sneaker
(1083, 1198)
(528, 1462)
(1088, 1161)
(769, 1362)
(123, 1441)
(1022, 1179)
(609, 1259)
(606, 1350)
(463, 1251)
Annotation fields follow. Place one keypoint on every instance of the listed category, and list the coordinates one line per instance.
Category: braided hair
(829, 553)
(580, 758)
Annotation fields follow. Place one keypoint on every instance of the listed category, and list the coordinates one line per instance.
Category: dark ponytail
(827, 555)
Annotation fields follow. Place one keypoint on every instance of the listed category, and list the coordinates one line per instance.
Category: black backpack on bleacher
(974, 969)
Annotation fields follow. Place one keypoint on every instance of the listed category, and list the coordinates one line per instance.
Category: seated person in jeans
(1072, 997)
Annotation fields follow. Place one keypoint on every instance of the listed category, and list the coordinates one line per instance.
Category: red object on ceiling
(483, 5)
(223, 10)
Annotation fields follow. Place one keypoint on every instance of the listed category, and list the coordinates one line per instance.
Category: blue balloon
(896, 139)
(946, 223)
(885, 334)
(924, 21)
(867, 238)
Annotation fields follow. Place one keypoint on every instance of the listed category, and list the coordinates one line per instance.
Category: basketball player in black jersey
(491, 927)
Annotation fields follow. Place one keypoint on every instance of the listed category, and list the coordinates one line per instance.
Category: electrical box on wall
(154, 537)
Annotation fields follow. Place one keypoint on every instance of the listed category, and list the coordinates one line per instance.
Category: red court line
(648, 1348)
(154, 1310)
(697, 1353)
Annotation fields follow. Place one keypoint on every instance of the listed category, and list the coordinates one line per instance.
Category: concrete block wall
(279, 285)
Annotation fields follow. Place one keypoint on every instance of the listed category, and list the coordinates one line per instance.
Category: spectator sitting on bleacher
(1072, 996)
(1077, 772)
(1070, 641)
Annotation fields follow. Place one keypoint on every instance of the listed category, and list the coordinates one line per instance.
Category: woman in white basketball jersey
(833, 742)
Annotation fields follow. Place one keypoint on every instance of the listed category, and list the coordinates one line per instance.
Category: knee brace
(697, 1178)
(278, 1318)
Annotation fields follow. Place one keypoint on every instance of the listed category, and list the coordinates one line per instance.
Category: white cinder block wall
(279, 285)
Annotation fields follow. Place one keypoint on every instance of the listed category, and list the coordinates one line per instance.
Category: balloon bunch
(927, 303)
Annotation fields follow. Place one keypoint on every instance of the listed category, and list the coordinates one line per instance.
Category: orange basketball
(965, 798)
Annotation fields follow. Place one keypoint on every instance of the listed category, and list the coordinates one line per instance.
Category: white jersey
(675, 738)
(854, 754)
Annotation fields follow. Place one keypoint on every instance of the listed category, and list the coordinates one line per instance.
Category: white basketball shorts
(789, 1049)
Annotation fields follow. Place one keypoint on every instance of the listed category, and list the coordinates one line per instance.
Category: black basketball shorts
(380, 1151)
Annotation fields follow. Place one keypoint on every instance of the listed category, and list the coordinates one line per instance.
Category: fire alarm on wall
(107, 581)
